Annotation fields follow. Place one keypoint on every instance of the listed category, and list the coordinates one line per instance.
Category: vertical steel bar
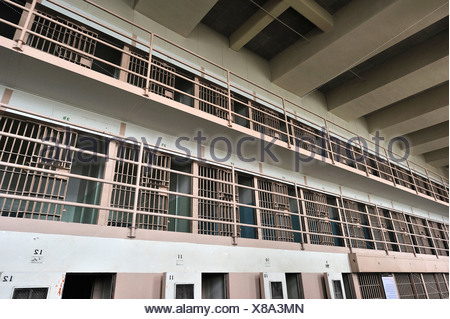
(230, 120)
(137, 189)
(149, 70)
(288, 135)
(412, 176)
(26, 26)
(329, 141)
(233, 180)
(431, 185)
(299, 212)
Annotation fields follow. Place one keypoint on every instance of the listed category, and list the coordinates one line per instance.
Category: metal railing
(211, 88)
(135, 186)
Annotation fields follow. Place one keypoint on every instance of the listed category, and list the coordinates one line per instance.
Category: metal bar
(137, 188)
(27, 26)
(150, 55)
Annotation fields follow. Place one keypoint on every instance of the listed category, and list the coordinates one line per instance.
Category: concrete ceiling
(385, 61)
(180, 16)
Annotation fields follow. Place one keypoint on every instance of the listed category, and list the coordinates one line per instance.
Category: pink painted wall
(138, 286)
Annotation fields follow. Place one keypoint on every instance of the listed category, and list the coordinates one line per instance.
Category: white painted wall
(63, 253)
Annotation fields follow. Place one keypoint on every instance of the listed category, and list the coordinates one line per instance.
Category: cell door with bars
(371, 286)
(75, 38)
(308, 138)
(213, 99)
(160, 72)
(274, 196)
(266, 121)
(153, 175)
(354, 224)
(420, 235)
(316, 206)
(215, 183)
(438, 233)
(402, 232)
(377, 227)
(30, 183)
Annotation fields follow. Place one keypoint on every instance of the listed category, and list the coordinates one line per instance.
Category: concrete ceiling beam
(437, 158)
(313, 12)
(180, 16)
(406, 74)
(257, 23)
(429, 139)
(305, 66)
(414, 113)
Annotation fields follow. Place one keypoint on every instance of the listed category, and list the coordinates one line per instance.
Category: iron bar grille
(266, 121)
(70, 40)
(377, 231)
(33, 155)
(214, 185)
(308, 138)
(439, 237)
(405, 286)
(419, 286)
(30, 183)
(316, 206)
(420, 236)
(273, 196)
(431, 286)
(370, 286)
(213, 99)
(30, 293)
(354, 224)
(443, 289)
(152, 176)
(379, 167)
(402, 233)
(78, 39)
(411, 286)
(160, 72)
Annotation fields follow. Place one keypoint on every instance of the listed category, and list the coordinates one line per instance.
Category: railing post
(431, 185)
(230, 121)
(390, 167)
(363, 154)
(149, 71)
(233, 179)
(297, 198)
(382, 230)
(350, 246)
(329, 141)
(443, 184)
(136, 195)
(413, 178)
(288, 135)
(26, 26)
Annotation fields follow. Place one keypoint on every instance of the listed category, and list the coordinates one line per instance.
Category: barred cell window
(30, 293)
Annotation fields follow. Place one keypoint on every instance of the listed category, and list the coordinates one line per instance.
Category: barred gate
(215, 185)
(150, 201)
(316, 206)
(273, 195)
(34, 154)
